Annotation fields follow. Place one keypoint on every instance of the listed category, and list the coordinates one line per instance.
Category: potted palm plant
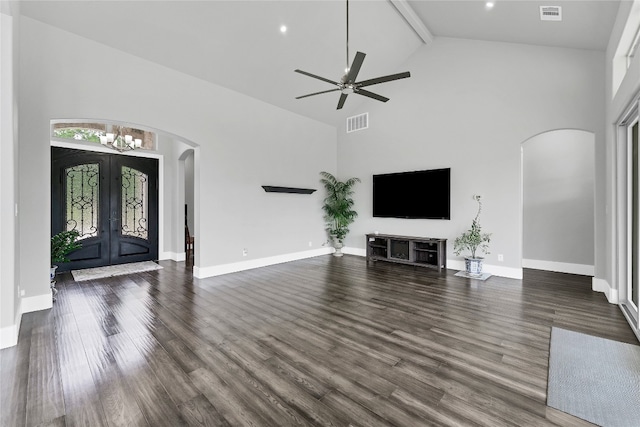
(62, 244)
(473, 240)
(338, 208)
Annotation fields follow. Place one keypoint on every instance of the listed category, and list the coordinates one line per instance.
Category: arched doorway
(558, 197)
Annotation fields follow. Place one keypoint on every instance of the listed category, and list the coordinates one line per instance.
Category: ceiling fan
(347, 84)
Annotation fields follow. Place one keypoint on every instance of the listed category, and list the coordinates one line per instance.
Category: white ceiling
(238, 44)
(585, 24)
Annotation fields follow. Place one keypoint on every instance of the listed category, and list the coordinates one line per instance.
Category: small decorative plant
(474, 239)
(62, 244)
(338, 205)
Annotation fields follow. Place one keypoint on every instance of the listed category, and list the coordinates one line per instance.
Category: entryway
(111, 199)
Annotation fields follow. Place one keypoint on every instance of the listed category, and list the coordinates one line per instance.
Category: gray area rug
(483, 276)
(595, 379)
(113, 270)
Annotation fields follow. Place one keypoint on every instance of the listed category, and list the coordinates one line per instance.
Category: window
(628, 46)
(91, 132)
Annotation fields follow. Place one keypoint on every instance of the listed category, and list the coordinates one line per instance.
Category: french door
(111, 200)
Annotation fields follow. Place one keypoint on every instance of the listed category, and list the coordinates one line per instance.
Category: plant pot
(337, 245)
(473, 266)
(52, 282)
(52, 272)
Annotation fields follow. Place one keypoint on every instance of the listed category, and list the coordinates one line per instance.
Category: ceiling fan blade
(343, 98)
(355, 67)
(316, 77)
(371, 95)
(384, 79)
(317, 93)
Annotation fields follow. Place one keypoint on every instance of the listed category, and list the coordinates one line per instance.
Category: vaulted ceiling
(239, 45)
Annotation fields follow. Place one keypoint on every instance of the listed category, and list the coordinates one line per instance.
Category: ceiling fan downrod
(346, 70)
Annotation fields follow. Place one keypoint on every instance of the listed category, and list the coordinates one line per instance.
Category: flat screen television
(419, 194)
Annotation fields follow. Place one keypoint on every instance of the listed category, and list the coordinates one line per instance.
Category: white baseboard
(354, 251)
(560, 267)
(174, 256)
(9, 334)
(495, 270)
(37, 303)
(601, 285)
(218, 270)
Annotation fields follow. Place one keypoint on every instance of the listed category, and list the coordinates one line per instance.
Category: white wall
(609, 281)
(469, 105)
(169, 164)
(558, 201)
(242, 144)
(9, 274)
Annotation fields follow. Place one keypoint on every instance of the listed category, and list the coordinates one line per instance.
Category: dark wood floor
(323, 341)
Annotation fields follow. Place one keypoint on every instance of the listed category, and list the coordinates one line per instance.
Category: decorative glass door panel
(112, 200)
(82, 187)
(135, 203)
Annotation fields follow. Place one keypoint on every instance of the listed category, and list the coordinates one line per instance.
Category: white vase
(473, 266)
(52, 282)
(52, 272)
(337, 245)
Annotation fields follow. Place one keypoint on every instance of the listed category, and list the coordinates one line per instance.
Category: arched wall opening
(185, 200)
(171, 151)
(558, 201)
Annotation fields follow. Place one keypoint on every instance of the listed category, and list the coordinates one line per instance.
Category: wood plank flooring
(319, 342)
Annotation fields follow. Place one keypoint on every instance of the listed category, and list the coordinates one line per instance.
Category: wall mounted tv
(419, 194)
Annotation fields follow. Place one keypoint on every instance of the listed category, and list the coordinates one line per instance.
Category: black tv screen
(420, 194)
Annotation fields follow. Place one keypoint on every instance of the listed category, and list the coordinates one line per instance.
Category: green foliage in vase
(473, 239)
(338, 205)
(62, 244)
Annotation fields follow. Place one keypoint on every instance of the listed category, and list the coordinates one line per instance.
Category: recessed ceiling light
(283, 29)
(489, 5)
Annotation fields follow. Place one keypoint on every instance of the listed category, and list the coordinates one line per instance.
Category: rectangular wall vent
(359, 122)
(550, 13)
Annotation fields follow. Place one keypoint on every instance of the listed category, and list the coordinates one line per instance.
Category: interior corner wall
(169, 163)
(234, 157)
(10, 300)
(558, 199)
(469, 105)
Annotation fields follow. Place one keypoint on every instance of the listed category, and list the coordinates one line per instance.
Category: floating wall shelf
(273, 189)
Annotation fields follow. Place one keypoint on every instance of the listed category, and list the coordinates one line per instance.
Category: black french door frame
(117, 238)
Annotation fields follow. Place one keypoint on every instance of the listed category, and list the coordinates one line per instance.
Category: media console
(417, 251)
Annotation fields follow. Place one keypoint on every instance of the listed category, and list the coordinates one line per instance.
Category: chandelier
(120, 142)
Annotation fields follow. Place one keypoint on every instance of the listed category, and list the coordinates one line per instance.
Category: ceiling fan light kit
(347, 84)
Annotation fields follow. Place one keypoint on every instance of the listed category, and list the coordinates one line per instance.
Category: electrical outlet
(245, 251)
(500, 257)
(310, 244)
(22, 292)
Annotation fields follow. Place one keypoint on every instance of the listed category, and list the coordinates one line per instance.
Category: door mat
(595, 379)
(114, 270)
(483, 276)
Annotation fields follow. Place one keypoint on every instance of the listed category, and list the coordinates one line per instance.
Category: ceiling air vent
(550, 13)
(359, 122)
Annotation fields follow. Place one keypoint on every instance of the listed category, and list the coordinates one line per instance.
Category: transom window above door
(92, 131)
